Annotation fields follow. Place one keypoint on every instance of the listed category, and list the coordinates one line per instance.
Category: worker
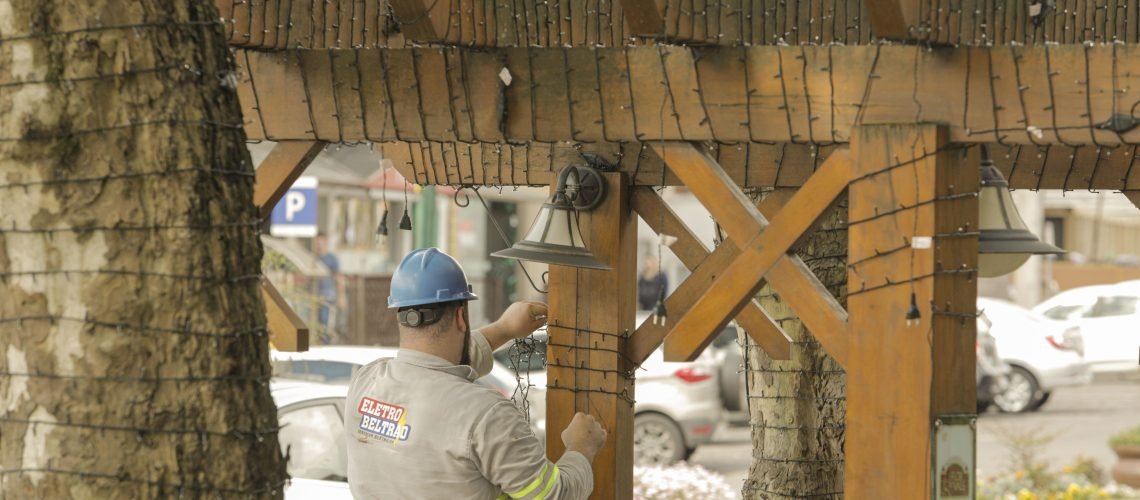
(419, 427)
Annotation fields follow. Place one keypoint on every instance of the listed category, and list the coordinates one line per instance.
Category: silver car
(677, 405)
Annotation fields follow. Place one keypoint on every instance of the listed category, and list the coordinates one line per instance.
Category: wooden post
(900, 378)
(591, 316)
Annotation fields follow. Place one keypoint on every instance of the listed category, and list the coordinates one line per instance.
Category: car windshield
(1106, 307)
(1000, 313)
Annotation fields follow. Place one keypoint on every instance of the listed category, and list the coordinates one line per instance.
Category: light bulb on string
(913, 315)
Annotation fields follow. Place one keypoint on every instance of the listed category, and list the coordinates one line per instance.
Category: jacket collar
(433, 362)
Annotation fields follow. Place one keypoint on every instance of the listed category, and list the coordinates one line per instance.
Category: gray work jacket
(419, 427)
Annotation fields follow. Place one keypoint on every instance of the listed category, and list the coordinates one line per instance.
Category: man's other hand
(584, 435)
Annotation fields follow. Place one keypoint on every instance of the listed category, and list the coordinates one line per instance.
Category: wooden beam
(277, 172)
(1030, 95)
(287, 332)
(591, 315)
(323, 24)
(930, 364)
(703, 264)
(736, 215)
(748, 164)
(894, 19)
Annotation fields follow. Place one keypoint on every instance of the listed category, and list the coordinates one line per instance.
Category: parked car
(336, 364)
(677, 408)
(728, 359)
(1043, 355)
(992, 372)
(312, 437)
(1108, 316)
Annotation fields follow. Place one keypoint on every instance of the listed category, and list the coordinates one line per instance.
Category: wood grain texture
(929, 365)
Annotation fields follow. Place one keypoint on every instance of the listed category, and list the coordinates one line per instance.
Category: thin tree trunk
(133, 354)
(797, 407)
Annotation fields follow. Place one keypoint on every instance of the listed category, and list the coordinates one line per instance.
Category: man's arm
(509, 455)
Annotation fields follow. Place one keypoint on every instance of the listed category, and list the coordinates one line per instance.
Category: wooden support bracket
(286, 330)
(277, 172)
(763, 253)
(274, 175)
(703, 264)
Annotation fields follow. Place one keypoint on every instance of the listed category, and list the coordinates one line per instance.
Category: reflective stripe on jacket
(419, 427)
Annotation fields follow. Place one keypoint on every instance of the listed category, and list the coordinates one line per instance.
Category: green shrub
(1130, 436)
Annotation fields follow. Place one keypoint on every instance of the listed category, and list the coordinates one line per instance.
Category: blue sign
(296, 213)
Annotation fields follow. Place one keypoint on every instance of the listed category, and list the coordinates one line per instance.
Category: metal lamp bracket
(590, 188)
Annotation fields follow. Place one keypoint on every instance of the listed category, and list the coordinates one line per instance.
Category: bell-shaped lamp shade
(554, 238)
(1004, 243)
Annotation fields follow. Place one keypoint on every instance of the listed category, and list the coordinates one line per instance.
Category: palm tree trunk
(797, 406)
(133, 354)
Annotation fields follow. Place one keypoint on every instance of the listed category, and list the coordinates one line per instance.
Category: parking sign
(296, 213)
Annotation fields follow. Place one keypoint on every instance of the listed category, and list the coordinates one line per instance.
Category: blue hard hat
(428, 276)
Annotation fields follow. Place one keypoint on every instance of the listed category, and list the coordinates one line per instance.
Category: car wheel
(1019, 394)
(657, 440)
(1039, 402)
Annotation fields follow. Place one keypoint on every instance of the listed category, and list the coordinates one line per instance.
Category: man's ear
(460, 318)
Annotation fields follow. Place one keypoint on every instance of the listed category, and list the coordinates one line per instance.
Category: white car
(336, 364)
(1109, 319)
(312, 437)
(1043, 355)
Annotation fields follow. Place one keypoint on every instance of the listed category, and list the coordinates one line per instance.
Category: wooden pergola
(721, 97)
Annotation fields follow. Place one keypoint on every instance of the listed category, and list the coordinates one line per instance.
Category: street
(1081, 418)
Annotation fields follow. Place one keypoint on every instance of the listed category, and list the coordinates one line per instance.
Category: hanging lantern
(1004, 243)
(554, 237)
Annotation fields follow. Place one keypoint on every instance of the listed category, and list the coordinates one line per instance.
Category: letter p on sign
(296, 214)
(294, 203)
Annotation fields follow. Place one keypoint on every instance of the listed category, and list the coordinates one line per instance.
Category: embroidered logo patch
(383, 420)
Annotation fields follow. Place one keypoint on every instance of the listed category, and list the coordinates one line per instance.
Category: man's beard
(465, 356)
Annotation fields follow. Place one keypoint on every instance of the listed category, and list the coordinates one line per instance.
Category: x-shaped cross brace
(755, 251)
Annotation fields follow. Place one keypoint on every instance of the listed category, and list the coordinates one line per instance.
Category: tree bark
(797, 407)
(133, 352)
